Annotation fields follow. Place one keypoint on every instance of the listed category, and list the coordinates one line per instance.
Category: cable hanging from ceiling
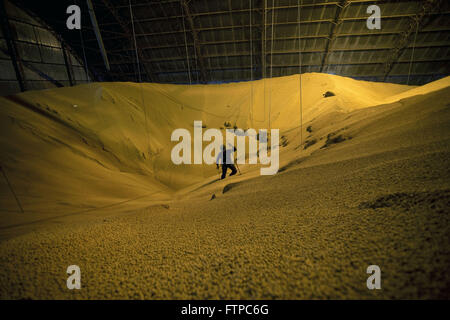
(263, 62)
(300, 94)
(139, 75)
(19, 204)
(135, 45)
(185, 42)
(196, 67)
(263, 68)
(271, 61)
(86, 70)
(251, 66)
(243, 98)
(412, 53)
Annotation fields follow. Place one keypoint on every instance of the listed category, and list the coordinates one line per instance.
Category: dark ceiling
(210, 41)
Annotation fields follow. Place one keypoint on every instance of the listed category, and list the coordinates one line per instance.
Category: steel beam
(43, 75)
(303, 5)
(359, 18)
(318, 36)
(279, 66)
(337, 21)
(98, 34)
(40, 23)
(197, 47)
(281, 52)
(12, 48)
(36, 70)
(244, 10)
(127, 31)
(421, 19)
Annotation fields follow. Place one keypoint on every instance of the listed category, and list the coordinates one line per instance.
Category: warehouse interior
(94, 122)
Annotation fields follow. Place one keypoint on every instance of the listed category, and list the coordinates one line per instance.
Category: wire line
(412, 54)
(140, 77)
(185, 43)
(300, 95)
(12, 190)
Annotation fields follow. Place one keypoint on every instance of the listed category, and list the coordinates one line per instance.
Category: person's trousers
(225, 168)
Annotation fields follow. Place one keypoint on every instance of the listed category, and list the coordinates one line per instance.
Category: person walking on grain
(225, 158)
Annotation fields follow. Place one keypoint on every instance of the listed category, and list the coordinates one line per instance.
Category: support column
(12, 48)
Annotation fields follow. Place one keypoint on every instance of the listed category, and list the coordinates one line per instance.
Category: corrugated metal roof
(237, 40)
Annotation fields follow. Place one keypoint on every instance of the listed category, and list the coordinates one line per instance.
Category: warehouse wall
(40, 55)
